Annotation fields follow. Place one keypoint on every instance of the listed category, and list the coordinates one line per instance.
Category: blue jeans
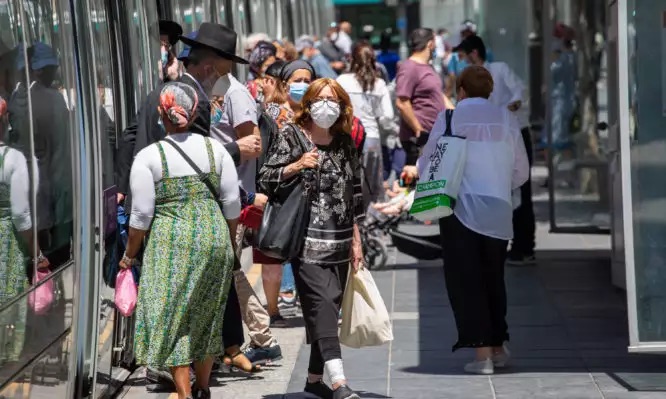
(288, 282)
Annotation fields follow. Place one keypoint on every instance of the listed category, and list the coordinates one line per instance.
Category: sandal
(230, 360)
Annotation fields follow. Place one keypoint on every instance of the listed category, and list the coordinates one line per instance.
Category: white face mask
(324, 113)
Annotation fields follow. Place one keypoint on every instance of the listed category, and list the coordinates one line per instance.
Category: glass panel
(647, 91)
(27, 330)
(46, 377)
(577, 149)
(272, 18)
(258, 9)
(143, 47)
(103, 60)
(241, 28)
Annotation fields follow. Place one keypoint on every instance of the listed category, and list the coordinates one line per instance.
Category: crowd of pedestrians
(207, 155)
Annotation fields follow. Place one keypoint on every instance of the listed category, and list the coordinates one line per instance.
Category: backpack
(358, 134)
(268, 129)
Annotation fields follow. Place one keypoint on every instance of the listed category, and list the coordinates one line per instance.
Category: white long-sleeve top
(147, 170)
(508, 88)
(496, 164)
(14, 172)
(370, 107)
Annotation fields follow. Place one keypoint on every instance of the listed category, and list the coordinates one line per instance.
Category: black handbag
(286, 216)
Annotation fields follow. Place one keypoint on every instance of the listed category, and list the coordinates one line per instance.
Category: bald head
(346, 27)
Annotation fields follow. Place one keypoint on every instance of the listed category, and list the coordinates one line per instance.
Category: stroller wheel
(375, 252)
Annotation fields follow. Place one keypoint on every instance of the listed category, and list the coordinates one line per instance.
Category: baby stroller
(408, 236)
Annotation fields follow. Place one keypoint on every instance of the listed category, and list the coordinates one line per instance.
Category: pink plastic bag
(41, 299)
(125, 297)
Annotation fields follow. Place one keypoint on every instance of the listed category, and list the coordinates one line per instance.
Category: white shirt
(147, 170)
(14, 173)
(369, 107)
(508, 88)
(496, 164)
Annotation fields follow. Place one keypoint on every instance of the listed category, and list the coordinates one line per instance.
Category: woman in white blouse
(475, 237)
(372, 105)
(188, 260)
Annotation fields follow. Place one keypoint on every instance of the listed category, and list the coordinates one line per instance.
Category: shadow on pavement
(564, 317)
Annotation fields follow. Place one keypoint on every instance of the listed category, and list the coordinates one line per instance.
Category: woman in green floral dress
(188, 260)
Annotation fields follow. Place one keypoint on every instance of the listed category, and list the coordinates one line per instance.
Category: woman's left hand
(357, 256)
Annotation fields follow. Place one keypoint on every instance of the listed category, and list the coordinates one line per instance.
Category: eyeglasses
(328, 100)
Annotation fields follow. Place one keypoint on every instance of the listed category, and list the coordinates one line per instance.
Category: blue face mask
(297, 90)
(215, 115)
(165, 57)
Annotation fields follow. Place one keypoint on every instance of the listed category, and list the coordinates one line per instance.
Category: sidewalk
(567, 323)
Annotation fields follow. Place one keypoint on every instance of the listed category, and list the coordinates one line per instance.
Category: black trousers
(524, 225)
(320, 289)
(474, 273)
(232, 329)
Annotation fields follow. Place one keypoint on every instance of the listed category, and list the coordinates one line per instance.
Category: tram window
(258, 16)
(143, 47)
(37, 81)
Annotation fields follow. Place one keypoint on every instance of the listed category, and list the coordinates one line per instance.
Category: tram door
(125, 43)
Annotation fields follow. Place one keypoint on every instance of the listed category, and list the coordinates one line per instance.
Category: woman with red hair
(330, 165)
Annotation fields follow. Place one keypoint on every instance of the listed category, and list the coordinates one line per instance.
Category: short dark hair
(476, 81)
(472, 43)
(419, 38)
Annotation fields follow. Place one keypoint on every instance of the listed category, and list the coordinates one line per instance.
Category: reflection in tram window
(15, 239)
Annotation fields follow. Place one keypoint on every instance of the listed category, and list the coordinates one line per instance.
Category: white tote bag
(365, 320)
(437, 191)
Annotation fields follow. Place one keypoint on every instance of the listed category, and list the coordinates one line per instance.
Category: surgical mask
(297, 90)
(324, 113)
(215, 114)
(165, 57)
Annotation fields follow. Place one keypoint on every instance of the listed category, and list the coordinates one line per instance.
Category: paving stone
(581, 387)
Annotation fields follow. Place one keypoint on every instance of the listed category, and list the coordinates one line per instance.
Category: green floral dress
(13, 280)
(186, 273)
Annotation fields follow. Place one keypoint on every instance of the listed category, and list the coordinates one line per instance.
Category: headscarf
(260, 53)
(179, 102)
(292, 66)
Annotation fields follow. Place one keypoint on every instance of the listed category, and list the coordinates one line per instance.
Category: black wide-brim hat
(171, 29)
(218, 38)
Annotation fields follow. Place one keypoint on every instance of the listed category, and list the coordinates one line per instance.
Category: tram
(69, 102)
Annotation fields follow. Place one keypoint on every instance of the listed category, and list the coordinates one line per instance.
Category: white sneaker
(484, 367)
(501, 360)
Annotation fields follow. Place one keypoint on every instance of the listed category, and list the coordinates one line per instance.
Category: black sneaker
(344, 392)
(262, 356)
(319, 389)
(278, 321)
(516, 259)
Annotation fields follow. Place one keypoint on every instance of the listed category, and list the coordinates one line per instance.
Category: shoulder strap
(299, 137)
(449, 116)
(202, 176)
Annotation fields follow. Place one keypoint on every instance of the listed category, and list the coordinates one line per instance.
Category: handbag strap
(449, 117)
(202, 176)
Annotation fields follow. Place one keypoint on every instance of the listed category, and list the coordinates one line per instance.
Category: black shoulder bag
(286, 216)
(205, 180)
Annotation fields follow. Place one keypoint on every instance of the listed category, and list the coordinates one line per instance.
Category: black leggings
(321, 351)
